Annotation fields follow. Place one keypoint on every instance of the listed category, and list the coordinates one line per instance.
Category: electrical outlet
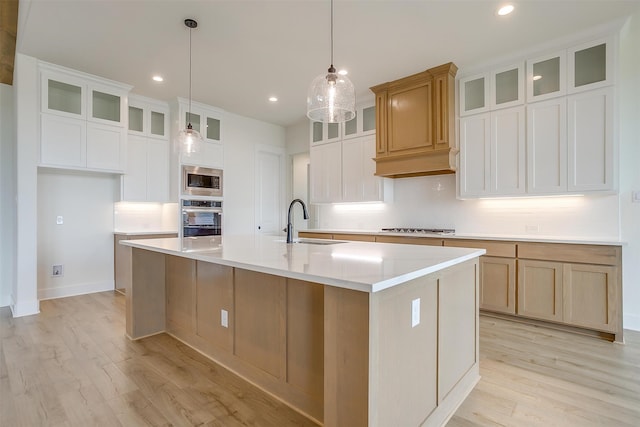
(635, 196)
(532, 228)
(56, 271)
(415, 312)
(224, 318)
(59, 220)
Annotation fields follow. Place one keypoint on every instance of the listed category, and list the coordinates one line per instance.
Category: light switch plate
(224, 318)
(635, 196)
(415, 312)
(59, 220)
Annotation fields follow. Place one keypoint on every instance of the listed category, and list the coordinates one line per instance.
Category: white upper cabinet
(146, 178)
(83, 121)
(148, 117)
(547, 147)
(364, 123)
(322, 133)
(590, 141)
(492, 154)
(208, 121)
(325, 173)
(546, 76)
(507, 86)
(474, 94)
(590, 65)
(359, 182)
(501, 87)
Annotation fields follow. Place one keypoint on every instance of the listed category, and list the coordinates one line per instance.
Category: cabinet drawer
(356, 237)
(409, 240)
(586, 254)
(499, 249)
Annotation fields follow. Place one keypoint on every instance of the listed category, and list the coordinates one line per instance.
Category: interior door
(269, 189)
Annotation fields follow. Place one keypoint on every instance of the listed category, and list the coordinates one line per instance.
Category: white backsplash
(130, 217)
(430, 202)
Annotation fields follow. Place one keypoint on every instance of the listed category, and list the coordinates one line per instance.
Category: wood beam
(8, 33)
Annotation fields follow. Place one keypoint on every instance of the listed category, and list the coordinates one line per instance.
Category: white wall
(242, 136)
(83, 244)
(629, 107)
(24, 293)
(7, 194)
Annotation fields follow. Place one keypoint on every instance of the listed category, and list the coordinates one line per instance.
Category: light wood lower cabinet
(180, 280)
(540, 289)
(568, 284)
(590, 296)
(498, 284)
(214, 293)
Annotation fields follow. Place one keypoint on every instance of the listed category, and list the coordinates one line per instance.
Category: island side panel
(145, 294)
(346, 357)
(404, 353)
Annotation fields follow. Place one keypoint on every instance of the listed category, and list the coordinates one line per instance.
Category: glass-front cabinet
(148, 117)
(546, 77)
(474, 91)
(83, 120)
(590, 65)
(364, 123)
(507, 84)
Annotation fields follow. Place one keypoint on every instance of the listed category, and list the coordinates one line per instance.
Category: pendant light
(331, 97)
(189, 139)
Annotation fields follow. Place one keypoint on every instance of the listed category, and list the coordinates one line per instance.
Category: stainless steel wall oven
(201, 218)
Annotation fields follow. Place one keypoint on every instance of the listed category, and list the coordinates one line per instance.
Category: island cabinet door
(260, 323)
(180, 278)
(214, 304)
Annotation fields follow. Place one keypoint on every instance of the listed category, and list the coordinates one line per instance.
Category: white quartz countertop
(503, 237)
(362, 266)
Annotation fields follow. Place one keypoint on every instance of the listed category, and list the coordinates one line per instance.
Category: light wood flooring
(71, 365)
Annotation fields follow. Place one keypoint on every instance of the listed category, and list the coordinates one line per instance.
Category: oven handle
(214, 210)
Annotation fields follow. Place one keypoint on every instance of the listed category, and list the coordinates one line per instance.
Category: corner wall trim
(27, 308)
(73, 290)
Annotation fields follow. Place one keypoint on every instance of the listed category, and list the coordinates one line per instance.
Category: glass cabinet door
(136, 119)
(546, 77)
(333, 131)
(316, 132)
(213, 129)
(590, 65)
(157, 123)
(63, 95)
(351, 126)
(508, 86)
(369, 119)
(192, 118)
(105, 106)
(473, 94)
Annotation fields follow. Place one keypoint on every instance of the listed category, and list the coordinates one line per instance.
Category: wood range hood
(415, 124)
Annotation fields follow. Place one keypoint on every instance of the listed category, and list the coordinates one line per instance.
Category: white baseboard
(631, 321)
(69, 291)
(25, 308)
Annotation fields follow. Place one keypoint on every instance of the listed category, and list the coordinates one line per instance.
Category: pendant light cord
(331, 33)
(190, 30)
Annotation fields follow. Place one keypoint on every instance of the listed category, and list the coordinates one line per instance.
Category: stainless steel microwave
(199, 181)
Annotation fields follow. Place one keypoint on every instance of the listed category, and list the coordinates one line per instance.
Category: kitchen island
(348, 333)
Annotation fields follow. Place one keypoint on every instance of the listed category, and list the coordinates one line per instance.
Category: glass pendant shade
(189, 140)
(331, 98)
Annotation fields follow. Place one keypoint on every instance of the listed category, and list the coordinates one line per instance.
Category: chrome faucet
(305, 214)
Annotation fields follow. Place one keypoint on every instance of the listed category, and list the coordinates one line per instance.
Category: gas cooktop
(420, 230)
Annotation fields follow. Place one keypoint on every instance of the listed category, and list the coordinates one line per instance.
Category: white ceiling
(246, 51)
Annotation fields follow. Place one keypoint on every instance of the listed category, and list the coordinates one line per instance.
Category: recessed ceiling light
(505, 10)
(158, 79)
(273, 99)
(343, 72)
(537, 77)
